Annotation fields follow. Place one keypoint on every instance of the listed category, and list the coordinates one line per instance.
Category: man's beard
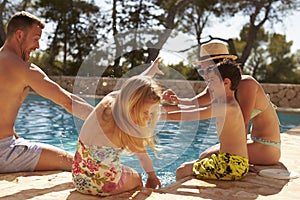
(23, 52)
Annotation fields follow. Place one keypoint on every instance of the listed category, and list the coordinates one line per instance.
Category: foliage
(75, 32)
(114, 36)
(183, 71)
(274, 63)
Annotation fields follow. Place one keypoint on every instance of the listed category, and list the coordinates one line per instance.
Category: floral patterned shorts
(97, 170)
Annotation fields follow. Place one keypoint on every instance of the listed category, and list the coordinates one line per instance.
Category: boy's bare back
(231, 130)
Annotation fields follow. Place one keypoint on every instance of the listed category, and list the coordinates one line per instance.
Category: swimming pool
(43, 121)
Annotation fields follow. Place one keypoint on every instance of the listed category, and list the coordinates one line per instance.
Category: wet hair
(22, 21)
(231, 70)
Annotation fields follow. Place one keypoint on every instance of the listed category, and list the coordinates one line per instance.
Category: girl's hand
(153, 181)
(153, 68)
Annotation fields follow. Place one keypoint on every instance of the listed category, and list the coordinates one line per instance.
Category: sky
(230, 29)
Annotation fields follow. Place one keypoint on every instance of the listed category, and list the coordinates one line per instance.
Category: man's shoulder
(11, 60)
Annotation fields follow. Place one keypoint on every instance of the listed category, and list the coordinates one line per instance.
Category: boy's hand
(170, 97)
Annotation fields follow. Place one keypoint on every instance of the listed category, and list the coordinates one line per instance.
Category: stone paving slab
(57, 185)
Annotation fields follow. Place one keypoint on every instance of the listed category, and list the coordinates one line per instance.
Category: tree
(259, 13)
(196, 17)
(282, 66)
(75, 33)
(140, 29)
(257, 58)
(169, 21)
(2, 27)
(130, 23)
(7, 9)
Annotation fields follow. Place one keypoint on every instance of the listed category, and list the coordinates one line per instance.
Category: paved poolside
(57, 185)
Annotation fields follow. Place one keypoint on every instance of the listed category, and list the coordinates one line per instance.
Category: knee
(178, 173)
(182, 172)
(140, 181)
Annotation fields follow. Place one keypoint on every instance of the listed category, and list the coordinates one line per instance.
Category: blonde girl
(123, 121)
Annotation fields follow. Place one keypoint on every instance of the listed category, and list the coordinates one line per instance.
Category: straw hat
(214, 50)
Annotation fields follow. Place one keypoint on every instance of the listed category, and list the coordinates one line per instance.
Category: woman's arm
(246, 96)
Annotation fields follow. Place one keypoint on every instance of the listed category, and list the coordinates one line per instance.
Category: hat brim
(233, 57)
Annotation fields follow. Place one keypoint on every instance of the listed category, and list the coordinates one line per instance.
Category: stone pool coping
(57, 185)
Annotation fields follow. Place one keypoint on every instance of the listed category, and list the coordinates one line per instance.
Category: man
(17, 75)
(264, 146)
(231, 161)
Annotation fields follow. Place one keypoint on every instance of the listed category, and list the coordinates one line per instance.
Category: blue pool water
(43, 121)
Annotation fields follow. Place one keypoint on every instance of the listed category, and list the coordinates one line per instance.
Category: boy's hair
(22, 21)
(231, 70)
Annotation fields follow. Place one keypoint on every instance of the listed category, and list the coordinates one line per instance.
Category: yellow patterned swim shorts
(222, 166)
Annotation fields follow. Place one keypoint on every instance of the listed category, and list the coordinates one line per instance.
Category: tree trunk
(153, 49)
(2, 29)
(253, 29)
(118, 53)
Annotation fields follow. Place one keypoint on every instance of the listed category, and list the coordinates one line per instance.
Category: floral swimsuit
(96, 170)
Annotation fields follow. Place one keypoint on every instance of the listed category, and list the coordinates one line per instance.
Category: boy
(231, 162)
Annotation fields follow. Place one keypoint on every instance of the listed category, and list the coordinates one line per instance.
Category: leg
(53, 158)
(186, 169)
(130, 180)
(209, 151)
(262, 154)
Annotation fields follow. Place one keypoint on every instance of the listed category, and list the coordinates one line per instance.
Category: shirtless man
(264, 146)
(17, 75)
(231, 161)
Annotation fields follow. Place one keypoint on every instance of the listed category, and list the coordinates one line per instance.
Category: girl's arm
(152, 69)
(146, 163)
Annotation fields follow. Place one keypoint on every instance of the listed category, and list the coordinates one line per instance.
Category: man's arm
(44, 86)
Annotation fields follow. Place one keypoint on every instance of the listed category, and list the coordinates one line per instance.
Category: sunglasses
(208, 70)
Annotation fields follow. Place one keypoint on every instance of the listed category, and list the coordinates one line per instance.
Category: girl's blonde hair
(135, 93)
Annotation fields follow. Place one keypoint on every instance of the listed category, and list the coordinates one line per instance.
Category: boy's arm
(200, 100)
(188, 115)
